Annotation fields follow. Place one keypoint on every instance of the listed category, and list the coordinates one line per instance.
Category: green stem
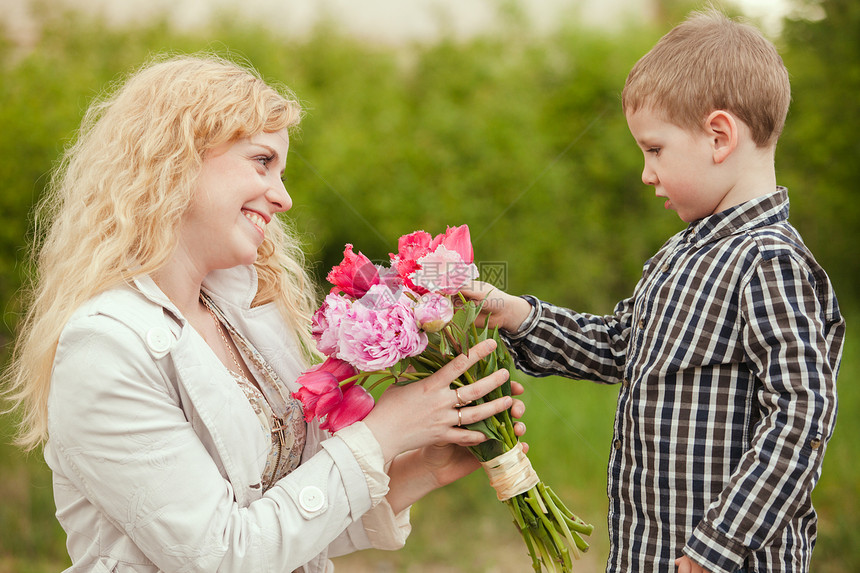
(424, 360)
(531, 497)
(468, 376)
(451, 339)
(573, 521)
(560, 519)
(380, 381)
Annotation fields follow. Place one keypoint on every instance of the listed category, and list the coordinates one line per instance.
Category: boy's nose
(649, 177)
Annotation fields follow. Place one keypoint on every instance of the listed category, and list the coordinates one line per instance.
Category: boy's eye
(654, 150)
(264, 160)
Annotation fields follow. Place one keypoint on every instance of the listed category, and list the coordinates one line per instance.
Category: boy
(727, 352)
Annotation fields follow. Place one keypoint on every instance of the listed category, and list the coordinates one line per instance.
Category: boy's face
(678, 163)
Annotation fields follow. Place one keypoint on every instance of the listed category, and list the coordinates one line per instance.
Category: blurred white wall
(388, 21)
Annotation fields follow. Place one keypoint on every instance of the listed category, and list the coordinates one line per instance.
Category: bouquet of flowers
(399, 323)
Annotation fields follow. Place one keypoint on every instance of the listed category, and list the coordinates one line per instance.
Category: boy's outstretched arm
(500, 309)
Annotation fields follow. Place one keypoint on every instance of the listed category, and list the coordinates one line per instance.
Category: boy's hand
(687, 565)
(500, 309)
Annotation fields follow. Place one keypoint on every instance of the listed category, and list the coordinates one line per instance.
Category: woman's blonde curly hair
(113, 208)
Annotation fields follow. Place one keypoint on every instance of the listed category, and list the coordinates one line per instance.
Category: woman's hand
(447, 463)
(424, 413)
(416, 473)
(500, 309)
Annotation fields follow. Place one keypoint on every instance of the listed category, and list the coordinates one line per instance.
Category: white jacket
(157, 454)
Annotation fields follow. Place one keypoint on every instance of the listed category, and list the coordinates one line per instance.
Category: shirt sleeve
(559, 341)
(379, 528)
(789, 342)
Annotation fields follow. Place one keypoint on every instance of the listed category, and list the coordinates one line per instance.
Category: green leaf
(445, 346)
(488, 450)
(486, 428)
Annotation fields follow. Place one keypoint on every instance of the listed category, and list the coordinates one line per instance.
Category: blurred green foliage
(522, 137)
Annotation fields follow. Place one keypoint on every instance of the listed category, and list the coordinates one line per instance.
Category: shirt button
(311, 498)
(814, 443)
(616, 444)
(625, 382)
(641, 323)
(665, 268)
(158, 340)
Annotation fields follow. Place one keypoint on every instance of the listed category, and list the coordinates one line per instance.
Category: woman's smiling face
(238, 191)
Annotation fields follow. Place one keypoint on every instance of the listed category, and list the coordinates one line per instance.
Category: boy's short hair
(711, 62)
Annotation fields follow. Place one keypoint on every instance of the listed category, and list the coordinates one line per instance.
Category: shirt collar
(758, 212)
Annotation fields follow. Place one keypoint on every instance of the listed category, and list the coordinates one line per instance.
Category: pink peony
(433, 312)
(355, 274)
(325, 325)
(380, 330)
(356, 404)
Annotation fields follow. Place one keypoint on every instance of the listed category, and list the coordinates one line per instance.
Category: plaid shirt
(726, 355)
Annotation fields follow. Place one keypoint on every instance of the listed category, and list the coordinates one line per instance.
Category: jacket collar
(237, 285)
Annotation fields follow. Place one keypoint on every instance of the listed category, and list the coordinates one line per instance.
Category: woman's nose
(279, 197)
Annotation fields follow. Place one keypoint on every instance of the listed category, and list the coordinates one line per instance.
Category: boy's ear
(722, 129)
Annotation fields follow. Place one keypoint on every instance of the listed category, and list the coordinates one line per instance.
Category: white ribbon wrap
(511, 473)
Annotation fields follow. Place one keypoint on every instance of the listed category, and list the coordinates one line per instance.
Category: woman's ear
(722, 129)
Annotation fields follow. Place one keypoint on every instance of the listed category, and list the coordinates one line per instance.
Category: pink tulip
(355, 274)
(319, 393)
(356, 404)
(339, 368)
(456, 239)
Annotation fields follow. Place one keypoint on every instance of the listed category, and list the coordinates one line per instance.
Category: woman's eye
(264, 160)
(654, 150)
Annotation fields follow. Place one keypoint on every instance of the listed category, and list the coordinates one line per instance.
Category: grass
(463, 528)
